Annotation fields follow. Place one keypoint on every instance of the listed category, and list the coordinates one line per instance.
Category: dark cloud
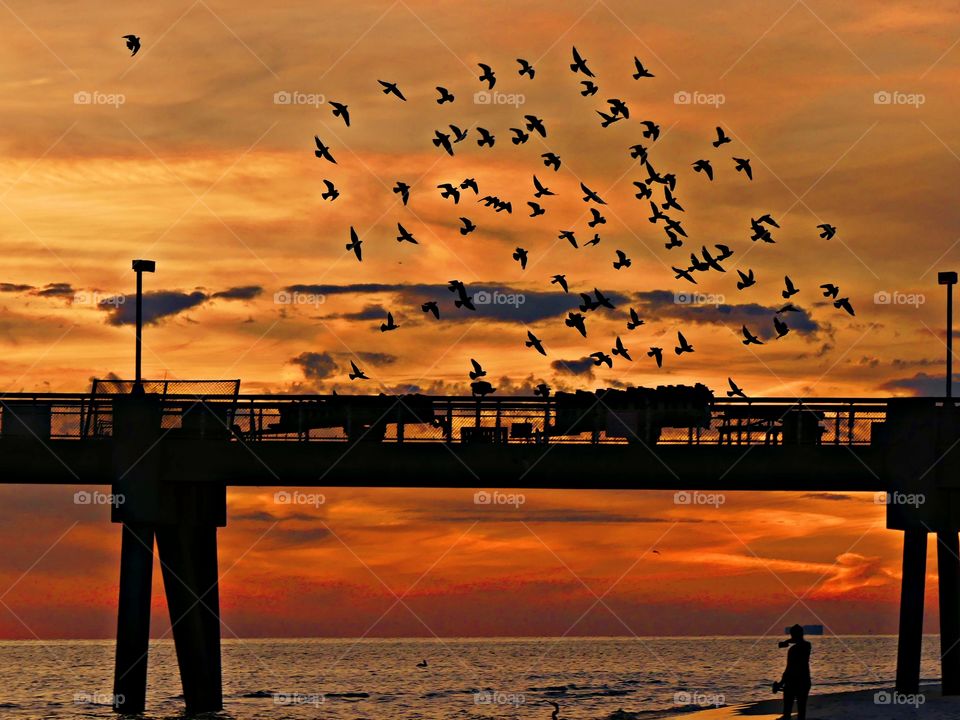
(377, 358)
(12, 287)
(56, 290)
(827, 496)
(243, 292)
(920, 384)
(583, 366)
(156, 306)
(369, 312)
(316, 366)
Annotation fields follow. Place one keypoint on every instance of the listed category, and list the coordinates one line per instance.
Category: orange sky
(199, 169)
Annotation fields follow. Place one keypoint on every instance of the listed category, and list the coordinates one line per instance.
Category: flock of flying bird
(662, 208)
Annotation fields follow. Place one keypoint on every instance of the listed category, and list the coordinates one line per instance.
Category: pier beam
(911, 611)
(948, 568)
(133, 619)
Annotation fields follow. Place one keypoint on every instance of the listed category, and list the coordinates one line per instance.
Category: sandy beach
(858, 705)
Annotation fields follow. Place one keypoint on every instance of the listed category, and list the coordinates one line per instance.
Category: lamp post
(949, 279)
(140, 267)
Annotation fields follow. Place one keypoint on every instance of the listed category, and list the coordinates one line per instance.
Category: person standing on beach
(795, 681)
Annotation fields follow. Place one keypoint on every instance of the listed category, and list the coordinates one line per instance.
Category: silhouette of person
(795, 681)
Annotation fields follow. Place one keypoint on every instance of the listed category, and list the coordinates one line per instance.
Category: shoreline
(848, 705)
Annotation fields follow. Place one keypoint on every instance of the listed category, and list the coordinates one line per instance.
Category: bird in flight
(651, 130)
(827, 231)
(595, 240)
(519, 136)
(449, 191)
(526, 69)
(356, 373)
(685, 274)
(704, 166)
(535, 124)
(748, 338)
(575, 320)
(534, 342)
(641, 72)
(488, 76)
(430, 306)
(341, 111)
(133, 44)
(458, 134)
(789, 307)
(403, 190)
(682, 345)
(620, 350)
(551, 159)
(355, 243)
(486, 138)
(745, 280)
(722, 138)
(442, 140)
(405, 235)
(389, 324)
(468, 226)
(471, 184)
(790, 289)
(331, 193)
(541, 189)
(657, 353)
(734, 389)
(589, 88)
(478, 371)
(445, 95)
(780, 326)
(520, 255)
(743, 165)
(569, 236)
(601, 358)
(634, 322)
(830, 290)
(579, 64)
(535, 209)
(844, 304)
(622, 260)
(608, 119)
(560, 280)
(590, 196)
(322, 151)
(391, 89)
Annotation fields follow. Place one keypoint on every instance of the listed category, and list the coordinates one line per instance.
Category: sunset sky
(846, 111)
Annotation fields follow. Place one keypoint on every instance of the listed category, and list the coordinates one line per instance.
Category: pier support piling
(912, 586)
(133, 619)
(948, 568)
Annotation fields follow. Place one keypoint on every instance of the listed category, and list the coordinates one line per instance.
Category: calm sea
(464, 678)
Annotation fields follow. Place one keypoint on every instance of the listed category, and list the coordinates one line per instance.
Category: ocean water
(464, 678)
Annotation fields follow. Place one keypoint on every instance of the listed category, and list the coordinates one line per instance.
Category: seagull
(526, 68)
(597, 218)
(540, 188)
(645, 192)
(449, 191)
(133, 44)
(685, 274)
(389, 324)
(470, 184)
(657, 353)
(791, 290)
(357, 373)
(652, 131)
(445, 95)
(442, 140)
(575, 320)
(560, 280)
(520, 255)
(535, 343)
(734, 389)
(589, 88)
(743, 165)
(431, 307)
(683, 346)
(590, 196)
(705, 167)
(468, 226)
(551, 159)
(618, 107)
(828, 231)
(721, 138)
(830, 290)
(322, 151)
(486, 138)
(780, 327)
(520, 137)
(745, 280)
(535, 208)
(711, 261)
(391, 89)
(568, 236)
(535, 124)
(403, 190)
(488, 75)
(634, 322)
(621, 350)
(749, 339)
(405, 235)
(641, 72)
(600, 358)
(355, 243)
(579, 64)
(458, 134)
(622, 260)
(844, 304)
(340, 110)
(478, 371)
(331, 193)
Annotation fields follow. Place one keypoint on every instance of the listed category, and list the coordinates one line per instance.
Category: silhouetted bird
(638, 152)
(734, 390)
(590, 196)
(468, 226)
(430, 306)
(535, 124)
(745, 280)
(830, 290)
(596, 218)
(391, 89)
(828, 231)
(622, 260)
(685, 274)
(488, 75)
(551, 159)
(463, 300)
(449, 191)
(405, 235)
(526, 68)
(674, 240)
(618, 107)
(602, 300)
(589, 88)
(560, 280)
(743, 165)
(791, 290)
(442, 140)
(357, 373)
(445, 95)
(634, 322)
(697, 264)
(641, 72)
(748, 338)
(389, 324)
(568, 235)
(721, 138)
(711, 261)
(588, 304)
(322, 151)
(704, 166)
(403, 189)
(657, 353)
(540, 188)
(535, 209)
(519, 136)
(844, 304)
(682, 345)
(458, 134)
(579, 64)
(725, 252)
(780, 326)
(534, 342)
(470, 184)
(133, 44)
(341, 111)
(520, 255)
(355, 243)
(645, 192)
(608, 119)
(601, 358)
(670, 202)
(486, 137)
(575, 320)
(478, 371)
(620, 350)
(651, 131)
(595, 240)
(331, 193)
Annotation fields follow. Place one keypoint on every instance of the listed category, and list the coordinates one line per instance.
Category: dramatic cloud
(920, 384)
(316, 366)
(582, 366)
(244, 292)
(157, 305)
